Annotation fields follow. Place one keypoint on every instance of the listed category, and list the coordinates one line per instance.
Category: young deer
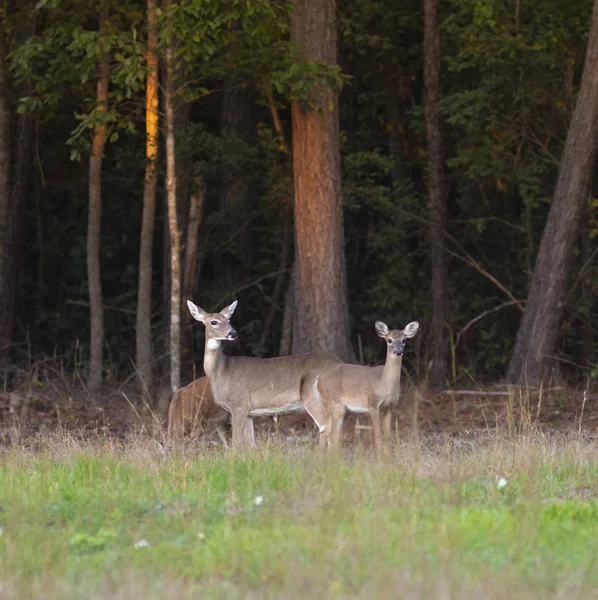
(362, 389)
(250, 387)
(193, 407)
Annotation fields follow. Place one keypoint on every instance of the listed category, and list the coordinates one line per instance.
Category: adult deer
(193, 407)
(360, 389)
(253, 387)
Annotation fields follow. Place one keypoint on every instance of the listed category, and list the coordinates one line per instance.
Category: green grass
(428, 522)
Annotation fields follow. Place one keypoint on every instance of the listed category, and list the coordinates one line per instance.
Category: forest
(325, 164)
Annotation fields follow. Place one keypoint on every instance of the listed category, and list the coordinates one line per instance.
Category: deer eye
(389, 341)
(403, 340)
(214, 323)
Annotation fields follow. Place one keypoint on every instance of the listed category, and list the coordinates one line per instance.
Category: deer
(248, 387)
(194, 406)
(361, 389)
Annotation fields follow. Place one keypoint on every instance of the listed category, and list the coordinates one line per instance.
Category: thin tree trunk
(321, 311)
(11, 245)
(196, 213)
(437, 194)
(173, 228)
(286, 337)
(93, 231)
(4, 145)
(9, 277)
(144, 292)
(538, 331)
(287, 239)
(238, 124)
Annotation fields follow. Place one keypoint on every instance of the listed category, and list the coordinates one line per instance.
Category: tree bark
(144, 291)
(93, 232)
(173, 229)
(287, 239)
(538, 331)
(196, 212)
(238, 124)
(437, 195)
(321, 311)
(4, 144)
(15, 201)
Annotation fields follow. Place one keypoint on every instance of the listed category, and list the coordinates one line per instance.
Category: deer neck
(214, 360)
(391, 373)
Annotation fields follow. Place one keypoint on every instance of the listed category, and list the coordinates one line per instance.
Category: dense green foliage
(99, 519)
(510, 72)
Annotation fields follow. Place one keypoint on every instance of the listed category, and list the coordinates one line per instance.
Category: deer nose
(398, 352)
(232, 335)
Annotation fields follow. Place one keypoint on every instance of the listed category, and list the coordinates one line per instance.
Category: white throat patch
(213, 344)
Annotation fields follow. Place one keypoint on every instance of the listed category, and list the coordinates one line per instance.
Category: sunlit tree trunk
(538, 331)
(94, 228)
(321, 304)
(144, 291)
(173, 228)
(437, 196)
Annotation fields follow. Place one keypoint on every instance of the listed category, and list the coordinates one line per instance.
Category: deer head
(397, 337)
(217, 324)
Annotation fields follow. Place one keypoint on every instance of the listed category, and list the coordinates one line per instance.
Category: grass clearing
(107, 519)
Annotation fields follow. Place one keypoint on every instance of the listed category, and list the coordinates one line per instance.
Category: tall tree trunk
(239, 124)
(173, 229)
(144, 292)
(437, 194)
(287, 239)
(93, 230)
(196, 212)
(12, 241)
(538, 331)
(321, 311)
(4, 144)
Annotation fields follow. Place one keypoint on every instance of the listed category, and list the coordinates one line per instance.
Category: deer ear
(229, 310)
(381, 328)
(411, 329)
(196, 312)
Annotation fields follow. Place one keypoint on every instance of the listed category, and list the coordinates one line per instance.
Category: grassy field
(108, 519)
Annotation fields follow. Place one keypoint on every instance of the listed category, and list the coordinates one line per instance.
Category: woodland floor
(120, 409)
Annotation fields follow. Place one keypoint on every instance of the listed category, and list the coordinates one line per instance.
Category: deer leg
(239, 422)
(316, 408)
(375, 415)
(337, 414)
(249, 432)
(386, 424)
(221, 435)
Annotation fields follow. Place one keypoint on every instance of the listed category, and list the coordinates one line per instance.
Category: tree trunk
(93, 232)
(144, 291)
(287, 239)
(321, 311)
(288, 317)
(238, 124)
(173, 229)
(196, 212)
(11, 245)
(437, 194)
(538, 331)
(4, 145)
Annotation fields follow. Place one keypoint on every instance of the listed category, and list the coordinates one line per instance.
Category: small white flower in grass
(201, 535)
(142, 544)
(501, 482)
(258, 500)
